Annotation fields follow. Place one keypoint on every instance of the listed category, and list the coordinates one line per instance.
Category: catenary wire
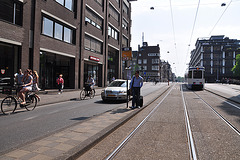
(194, 23)
(220, 18)
(174, 35)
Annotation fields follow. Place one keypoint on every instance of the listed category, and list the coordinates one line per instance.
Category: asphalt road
(25, 127)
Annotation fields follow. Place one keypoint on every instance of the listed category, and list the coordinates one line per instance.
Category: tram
(194, 78)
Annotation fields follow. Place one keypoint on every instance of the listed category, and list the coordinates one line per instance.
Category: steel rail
(220, 116)
(192, 150)
(124, 142)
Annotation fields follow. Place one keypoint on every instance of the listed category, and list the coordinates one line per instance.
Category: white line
(189, 132)
(30, 118)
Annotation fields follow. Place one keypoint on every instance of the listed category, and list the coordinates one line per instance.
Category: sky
(177, 24)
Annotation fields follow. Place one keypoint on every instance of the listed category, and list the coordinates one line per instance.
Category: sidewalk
(69, 143)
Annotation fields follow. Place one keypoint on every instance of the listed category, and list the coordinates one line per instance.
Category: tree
(236, 68)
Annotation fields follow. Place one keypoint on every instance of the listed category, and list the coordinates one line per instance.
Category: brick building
(73, 37)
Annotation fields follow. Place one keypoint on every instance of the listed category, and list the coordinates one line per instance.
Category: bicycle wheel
(8, 105)
(91, 94)
(82, 95)
(31, 102)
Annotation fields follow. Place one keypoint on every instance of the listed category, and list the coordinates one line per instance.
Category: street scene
(119, 79)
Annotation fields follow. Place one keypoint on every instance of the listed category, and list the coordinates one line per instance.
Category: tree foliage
(236, 68)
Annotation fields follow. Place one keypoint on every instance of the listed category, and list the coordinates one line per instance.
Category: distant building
(166, 72)
(217, 54)
(148, 61)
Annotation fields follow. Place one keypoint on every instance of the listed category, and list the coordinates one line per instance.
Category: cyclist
(35, 84)
(90, 84)
(27, 86)
(19, 81)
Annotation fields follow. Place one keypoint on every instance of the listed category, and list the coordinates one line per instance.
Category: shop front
(9, 63)
(93, 67)
(51, 66)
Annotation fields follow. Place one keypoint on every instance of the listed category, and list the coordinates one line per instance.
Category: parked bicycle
(87, 92)
(9, 103)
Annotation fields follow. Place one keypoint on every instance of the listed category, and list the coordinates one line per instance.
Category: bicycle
(9, 103)
(87, 91)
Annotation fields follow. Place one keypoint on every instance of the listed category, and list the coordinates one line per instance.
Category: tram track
(235, 129)
(118, 148)
(124, 142)
(197, 133)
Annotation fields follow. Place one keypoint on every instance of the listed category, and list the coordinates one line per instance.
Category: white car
(116, 90)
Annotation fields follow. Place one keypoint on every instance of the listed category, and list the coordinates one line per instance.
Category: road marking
(30, 118)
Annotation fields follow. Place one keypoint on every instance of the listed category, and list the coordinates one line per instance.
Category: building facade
(217, 54)
(75, 38)
(148, 62)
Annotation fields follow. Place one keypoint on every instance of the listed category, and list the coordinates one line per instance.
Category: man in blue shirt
(136, 84)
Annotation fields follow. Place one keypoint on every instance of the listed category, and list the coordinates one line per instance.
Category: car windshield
(118, 84)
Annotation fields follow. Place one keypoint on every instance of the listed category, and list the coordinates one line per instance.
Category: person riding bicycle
(89, 84)
(19, 81)
(27, 86)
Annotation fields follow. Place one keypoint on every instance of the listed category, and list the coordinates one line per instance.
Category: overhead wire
(173, 27)
(194, 23)
(220, 17)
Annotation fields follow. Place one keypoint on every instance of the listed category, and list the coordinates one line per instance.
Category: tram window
(190, 74)
(197, 74)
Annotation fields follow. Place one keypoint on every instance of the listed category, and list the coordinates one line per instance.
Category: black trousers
(136, 96)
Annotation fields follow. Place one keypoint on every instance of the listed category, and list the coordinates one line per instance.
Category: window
(92, 44)
(197, 74)
(11, 11)
(66, 3)
(67, 35)
(155, 61)
(223, 54)
(125, 8)
(124, 42)
(58, 31)
(223, 70)
(144, 68)
(93, 18)
(234, 62)
(125, 24)
(211, 63)
(139, 61)
(211, 55)
(223, 62)
(47, 27)
(144, 61)
(113, 33)
(153, 54)
(189, 74)
(113, 13)
(155, 68)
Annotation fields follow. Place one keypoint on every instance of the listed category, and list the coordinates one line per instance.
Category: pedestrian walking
(60, 83)
(135, 85)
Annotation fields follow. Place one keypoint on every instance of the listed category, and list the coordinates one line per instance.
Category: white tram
(195, 78)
